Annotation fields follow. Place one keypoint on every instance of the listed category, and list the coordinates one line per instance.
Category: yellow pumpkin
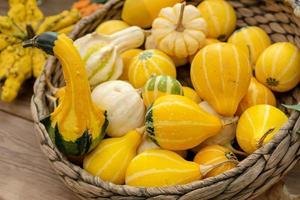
(192, 94)
(143, 12)
(111, 26)
(127, 57)
(252, 39)
(278, 67)
(257, 94)
(149, 63)
(179, 31)
(220, 18)
(112, 156)
(215, 154)
(221, 76)
(177, 123)
(258, 125)
(207, 41)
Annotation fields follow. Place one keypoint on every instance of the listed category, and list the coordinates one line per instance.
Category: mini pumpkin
(179, 31)
(127, 57)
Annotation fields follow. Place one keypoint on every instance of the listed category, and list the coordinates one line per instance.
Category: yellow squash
(207, 41)
(150, 63)
(111, 26)
(257, 94)
(215, 154)
(278, 67)
(127, 57)
(112, 156)
(220, 18)
(192, 94)
(252, 39)
(221, 76)
(258, 125)
(177, 123)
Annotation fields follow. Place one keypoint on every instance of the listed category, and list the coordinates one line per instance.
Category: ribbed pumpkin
(112, 156)
(221, 76)
(258, 125)
(278, 67)
(158, 86)
(257, 94)
(252, 39)
(149, 63)
(215, 154)
(127, 57)
(177, 123)
(192, 94)
(220, 18)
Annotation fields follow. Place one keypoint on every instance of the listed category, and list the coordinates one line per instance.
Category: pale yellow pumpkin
(278, 67)
(111, 26)
(149, 63)
(252, 39)
(127, 57)
(179, 31)
(221, 76)
(220, 18)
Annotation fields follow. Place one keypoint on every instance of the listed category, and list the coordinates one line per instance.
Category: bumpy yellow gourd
(215, 154)
(179, 31)
(257, 94)
(192, 94)
(149, 63)
(252, 39)
(278, 67)
(258, 125)
(127, 57)
(111, 26)
(220, 18)
(112, 156)
(143, 12)
(177, 123)
(221, 76)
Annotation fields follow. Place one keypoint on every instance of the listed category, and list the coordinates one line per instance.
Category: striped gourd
(221, 76)
(257, 94)
(177, 123)
(220, 18)
(158, 86)
(192, 94)
(207, 41)
(278, 67)
(215, 154)
(252, 39)
(258, 125)
(148, 63)
(112, 156)
(127, 57)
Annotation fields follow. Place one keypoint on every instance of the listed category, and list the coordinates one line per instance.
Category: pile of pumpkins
(154, 122)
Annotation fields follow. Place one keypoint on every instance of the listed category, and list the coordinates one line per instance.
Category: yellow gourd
(179, 31)
(220, 18)
(278, 67)
(149, 63)
(143, 12)
(192, 94)
(127, 57)
(175, 122)
(257, 94)
(112, 156)
(258, 125)
(215, 154)
(111, 26)
(221, 76)
(207, 41)
(252, 39)
(157, 167)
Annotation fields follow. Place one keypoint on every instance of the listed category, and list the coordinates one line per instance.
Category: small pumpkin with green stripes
(149, 63)
(158, 86)
(176, 122)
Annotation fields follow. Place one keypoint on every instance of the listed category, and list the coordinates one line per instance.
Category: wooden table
(24, 171)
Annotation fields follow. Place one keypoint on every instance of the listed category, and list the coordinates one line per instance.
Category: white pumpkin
(179, 31)
(124, 106)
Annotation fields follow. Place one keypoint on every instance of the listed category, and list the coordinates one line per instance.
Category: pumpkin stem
(235, 151)
(262, 139)
(205, 169)
(180, 26)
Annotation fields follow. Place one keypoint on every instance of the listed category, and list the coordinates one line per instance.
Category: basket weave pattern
(253, 176)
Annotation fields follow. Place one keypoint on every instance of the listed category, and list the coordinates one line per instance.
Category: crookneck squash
(76, 126)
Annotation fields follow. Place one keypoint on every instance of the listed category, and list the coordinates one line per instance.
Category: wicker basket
(253, 176)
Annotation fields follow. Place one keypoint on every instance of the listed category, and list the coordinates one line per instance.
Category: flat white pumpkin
(179, 31)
